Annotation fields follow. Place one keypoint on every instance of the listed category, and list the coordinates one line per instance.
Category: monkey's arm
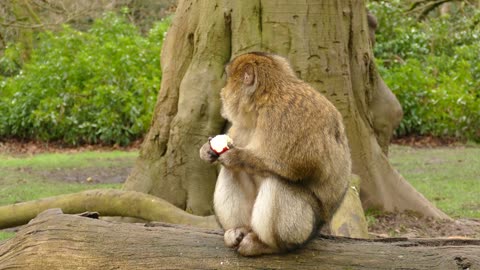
(246, 160)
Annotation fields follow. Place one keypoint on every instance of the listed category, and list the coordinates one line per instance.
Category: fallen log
(55, 240)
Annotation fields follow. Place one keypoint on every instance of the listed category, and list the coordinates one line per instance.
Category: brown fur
(289, 168)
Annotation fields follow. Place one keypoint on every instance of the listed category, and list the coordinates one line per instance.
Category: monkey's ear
(249, 75)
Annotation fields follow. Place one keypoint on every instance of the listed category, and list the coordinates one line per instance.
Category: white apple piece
(220, 144)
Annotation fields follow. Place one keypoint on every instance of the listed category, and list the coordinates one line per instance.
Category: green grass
(448, 176)
(6, 235)
(25, 178)
(20, 179)
(65, 160)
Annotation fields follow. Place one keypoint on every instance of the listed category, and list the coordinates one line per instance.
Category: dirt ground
(411, 226)
(380, 225)
(111, 174)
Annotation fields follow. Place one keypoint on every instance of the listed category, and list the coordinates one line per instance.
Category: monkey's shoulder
(305, 107)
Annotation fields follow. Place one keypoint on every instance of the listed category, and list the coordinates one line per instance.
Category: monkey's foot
(252, 246)
(233, 237)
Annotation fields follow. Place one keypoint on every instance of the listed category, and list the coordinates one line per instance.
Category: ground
(115, 172)
(380, 224)
(412, 226)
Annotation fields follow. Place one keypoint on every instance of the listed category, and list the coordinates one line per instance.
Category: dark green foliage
(97, 86)
(433, 67)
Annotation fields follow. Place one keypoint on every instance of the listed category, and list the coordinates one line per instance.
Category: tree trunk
(328, 45)
(187, 110)
(57, 241)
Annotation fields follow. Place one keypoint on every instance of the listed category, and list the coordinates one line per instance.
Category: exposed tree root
(107, 202)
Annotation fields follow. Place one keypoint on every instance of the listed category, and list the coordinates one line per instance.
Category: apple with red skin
(220, 144)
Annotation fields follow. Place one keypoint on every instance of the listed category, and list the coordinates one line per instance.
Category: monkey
(288, 167)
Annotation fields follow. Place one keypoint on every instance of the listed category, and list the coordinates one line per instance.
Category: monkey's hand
(236, 158)
(207, 154)
(244, 159)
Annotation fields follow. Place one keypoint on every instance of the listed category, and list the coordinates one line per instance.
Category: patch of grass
(21, 178)
(6, 235)
(371, 216)
(449, 176)
(66, 160)
(35, 188)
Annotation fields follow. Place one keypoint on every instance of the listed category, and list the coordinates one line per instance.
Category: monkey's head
(252, 79)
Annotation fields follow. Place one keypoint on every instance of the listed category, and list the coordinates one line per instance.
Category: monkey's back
(312, 142)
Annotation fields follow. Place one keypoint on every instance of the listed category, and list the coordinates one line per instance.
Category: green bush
(433, 68)
(97, 86)
(11, 61)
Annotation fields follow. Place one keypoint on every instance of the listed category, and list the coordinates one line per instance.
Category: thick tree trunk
(57, 241)
(328, 45)
(187, 110)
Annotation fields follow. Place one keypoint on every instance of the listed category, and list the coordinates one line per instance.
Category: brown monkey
(289, 165)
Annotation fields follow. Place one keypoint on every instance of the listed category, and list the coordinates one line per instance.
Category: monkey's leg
(283, 218)
(233, 202)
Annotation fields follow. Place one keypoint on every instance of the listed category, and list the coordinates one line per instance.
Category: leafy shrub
(11, 62)
(433, 68)
(97, 86)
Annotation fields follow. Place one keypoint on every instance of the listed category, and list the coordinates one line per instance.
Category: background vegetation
(432, 66)
(97, 83)
(97, 86)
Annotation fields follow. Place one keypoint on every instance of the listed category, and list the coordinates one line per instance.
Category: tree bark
(328, 45)
(349, 219)
(187, 109)
(57, 241)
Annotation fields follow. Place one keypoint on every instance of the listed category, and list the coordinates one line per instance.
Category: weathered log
(57, 241)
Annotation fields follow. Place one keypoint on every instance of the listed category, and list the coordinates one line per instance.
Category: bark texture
(57, 241)
(349, 220)
(328, 45)
(187, 109)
